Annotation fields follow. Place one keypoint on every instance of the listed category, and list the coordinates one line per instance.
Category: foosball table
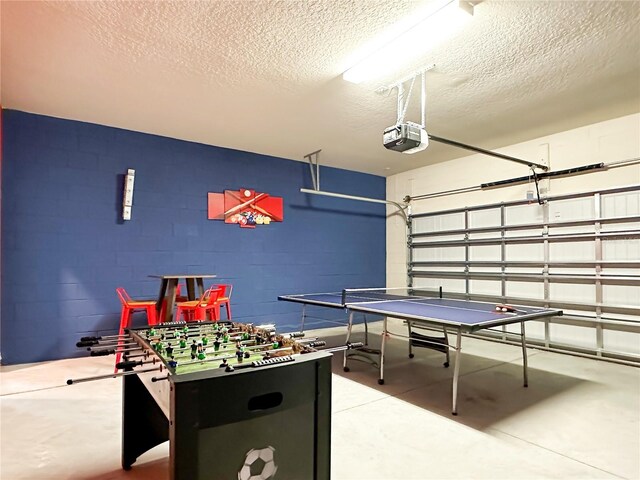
(227, 397)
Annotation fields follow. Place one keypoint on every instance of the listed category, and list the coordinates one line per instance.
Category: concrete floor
(579, 419)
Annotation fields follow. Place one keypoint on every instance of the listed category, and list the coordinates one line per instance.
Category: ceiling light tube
(443, 20)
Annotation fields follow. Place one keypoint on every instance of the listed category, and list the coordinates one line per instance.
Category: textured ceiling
(265, 76)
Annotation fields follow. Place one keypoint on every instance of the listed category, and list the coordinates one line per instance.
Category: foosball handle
(86, 343)
(127, 365)
(102, 353)
(90, 339)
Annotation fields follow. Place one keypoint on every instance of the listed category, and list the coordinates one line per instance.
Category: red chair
(197, 309)
(224, 298)
(130, 306)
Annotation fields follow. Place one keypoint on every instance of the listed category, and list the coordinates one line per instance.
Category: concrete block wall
(65, 248)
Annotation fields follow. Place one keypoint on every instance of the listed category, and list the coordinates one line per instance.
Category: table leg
(446, 340)
(344, 353)
(456, 372)
(384, 341)
(304, 312)
(171, 299)
(143, 424)
(200, 282)
(524, 354)
(191, 288)
(161, 295)
(366, 329)
(410, 345)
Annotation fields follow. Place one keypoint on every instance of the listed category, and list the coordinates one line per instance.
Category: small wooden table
(168, 291)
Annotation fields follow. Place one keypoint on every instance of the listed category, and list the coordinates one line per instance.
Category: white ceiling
(265, 76)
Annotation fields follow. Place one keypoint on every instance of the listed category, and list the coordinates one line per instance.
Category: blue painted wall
(65, 248)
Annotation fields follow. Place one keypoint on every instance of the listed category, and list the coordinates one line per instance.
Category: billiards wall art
(245, 207)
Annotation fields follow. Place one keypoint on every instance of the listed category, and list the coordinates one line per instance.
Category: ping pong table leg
(384, 341)
(304, 307)
(410, 344)
(446, 341)
(344, 357)
(523, 338)
(456, 372)
(366, 329)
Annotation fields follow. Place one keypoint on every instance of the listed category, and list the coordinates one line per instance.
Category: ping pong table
(431, 313)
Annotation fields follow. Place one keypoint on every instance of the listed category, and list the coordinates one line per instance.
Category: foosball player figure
(239, 354)
(224, 363)
(183, 341)
(216, 345)
(201, 354)
(172, 363)
(169, 350)
(245, 336)
(194, 349)
(159, 346)
(205, 340)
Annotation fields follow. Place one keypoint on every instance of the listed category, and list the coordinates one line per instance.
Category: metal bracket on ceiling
(402, 209)
(314, 166)
(387, 88)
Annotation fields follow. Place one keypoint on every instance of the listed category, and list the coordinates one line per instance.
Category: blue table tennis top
(465, 313)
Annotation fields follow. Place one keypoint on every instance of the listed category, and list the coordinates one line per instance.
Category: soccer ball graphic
(259, 464)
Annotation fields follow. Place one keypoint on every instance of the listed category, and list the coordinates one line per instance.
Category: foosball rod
(287, 358)
(111, 345)
(113, 351)
(348, 346)
(228, 356)
(225, 346)
(306, 339)
(136, 355)
(129, 364)
(196, 325)
(251, 338)
(194, 334)
(72, 381)
(109, 341)
(193, 330)
(102, 337)
(184, 351)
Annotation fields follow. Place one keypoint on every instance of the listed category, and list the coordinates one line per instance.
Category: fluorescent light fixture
(440, 22)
